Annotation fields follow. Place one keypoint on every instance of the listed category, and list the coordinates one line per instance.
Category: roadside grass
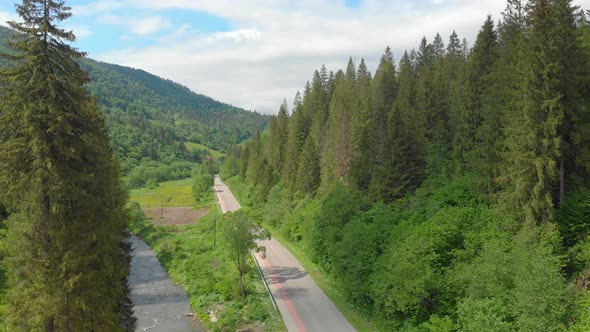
(207, 274)
(196, 146)
(172, 193)
(243, 193)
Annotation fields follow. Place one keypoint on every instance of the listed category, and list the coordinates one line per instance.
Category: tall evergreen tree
(469, 118)
(533, 139)
(383, 91)
(297, 134)
(405, 157)
(361, 149)
(308, 171)
(65, 261)
(337, 155)
(318, 108)
(277, 138)
(477, 137)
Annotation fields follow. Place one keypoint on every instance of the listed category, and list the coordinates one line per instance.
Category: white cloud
(275, 45)
(80, 31)
(5, 17)
(148, 25)
(141, 26)
(97, 7)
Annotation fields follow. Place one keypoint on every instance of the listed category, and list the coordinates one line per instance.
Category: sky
(253, 54)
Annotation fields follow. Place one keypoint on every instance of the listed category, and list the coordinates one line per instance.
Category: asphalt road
(303, 305)
(159, 305)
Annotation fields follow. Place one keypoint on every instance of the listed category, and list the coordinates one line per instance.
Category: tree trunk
(242, 286)
(561, 183)
(45, 220)
(49, 325)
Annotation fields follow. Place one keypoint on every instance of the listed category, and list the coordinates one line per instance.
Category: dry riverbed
(159, 305)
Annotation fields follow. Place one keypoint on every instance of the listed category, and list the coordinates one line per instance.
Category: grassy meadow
(173, 194)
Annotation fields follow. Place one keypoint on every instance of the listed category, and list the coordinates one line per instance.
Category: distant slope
(150, 119)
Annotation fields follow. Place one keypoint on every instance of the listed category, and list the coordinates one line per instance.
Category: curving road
(303, 305)
(159, 305)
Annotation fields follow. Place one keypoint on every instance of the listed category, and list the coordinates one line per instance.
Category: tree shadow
(280, 274)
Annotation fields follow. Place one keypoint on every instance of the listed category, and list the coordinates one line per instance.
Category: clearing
(174, 216)
(196, 146)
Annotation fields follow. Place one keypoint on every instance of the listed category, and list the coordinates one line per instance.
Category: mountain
(150, 120)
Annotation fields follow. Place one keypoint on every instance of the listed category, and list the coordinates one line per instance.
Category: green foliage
(483, 315)
(583, 314)
(239, 234)
(574, 217)
(202, 186)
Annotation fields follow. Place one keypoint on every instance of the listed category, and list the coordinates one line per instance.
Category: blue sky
(253, 54)
(101, 30)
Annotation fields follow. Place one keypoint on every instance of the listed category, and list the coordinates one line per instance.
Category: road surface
(303, 305)
(159, 305)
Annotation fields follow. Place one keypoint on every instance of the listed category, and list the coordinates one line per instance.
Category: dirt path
(174, 215)
(159, 305)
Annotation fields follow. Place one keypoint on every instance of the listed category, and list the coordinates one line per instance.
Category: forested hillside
(448, 191)
(151, 119)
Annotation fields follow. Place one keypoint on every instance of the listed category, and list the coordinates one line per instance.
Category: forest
(446, 191)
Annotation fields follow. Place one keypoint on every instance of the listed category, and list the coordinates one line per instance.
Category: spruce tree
(360, 172)
(318, 112)
(308, 170)
(533, 138)
(476, 143)
(468, 137)
(297, 134)
(337, 155)
(277, 138)
(65, 262)
(383, 91)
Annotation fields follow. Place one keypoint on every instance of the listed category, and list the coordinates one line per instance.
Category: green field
(194, 146)
(171, 193)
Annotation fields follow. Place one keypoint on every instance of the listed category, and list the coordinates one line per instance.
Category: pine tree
(360, 172)
(574, 128)
(297, 134)
(277, 138)
(308, 171)
(533, 140)
(318, 109)
(65, 262)
(477, 137)
(337, 155)
(405, 159)
(383, 91)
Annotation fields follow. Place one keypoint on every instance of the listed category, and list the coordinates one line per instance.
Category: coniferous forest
(446, 191)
